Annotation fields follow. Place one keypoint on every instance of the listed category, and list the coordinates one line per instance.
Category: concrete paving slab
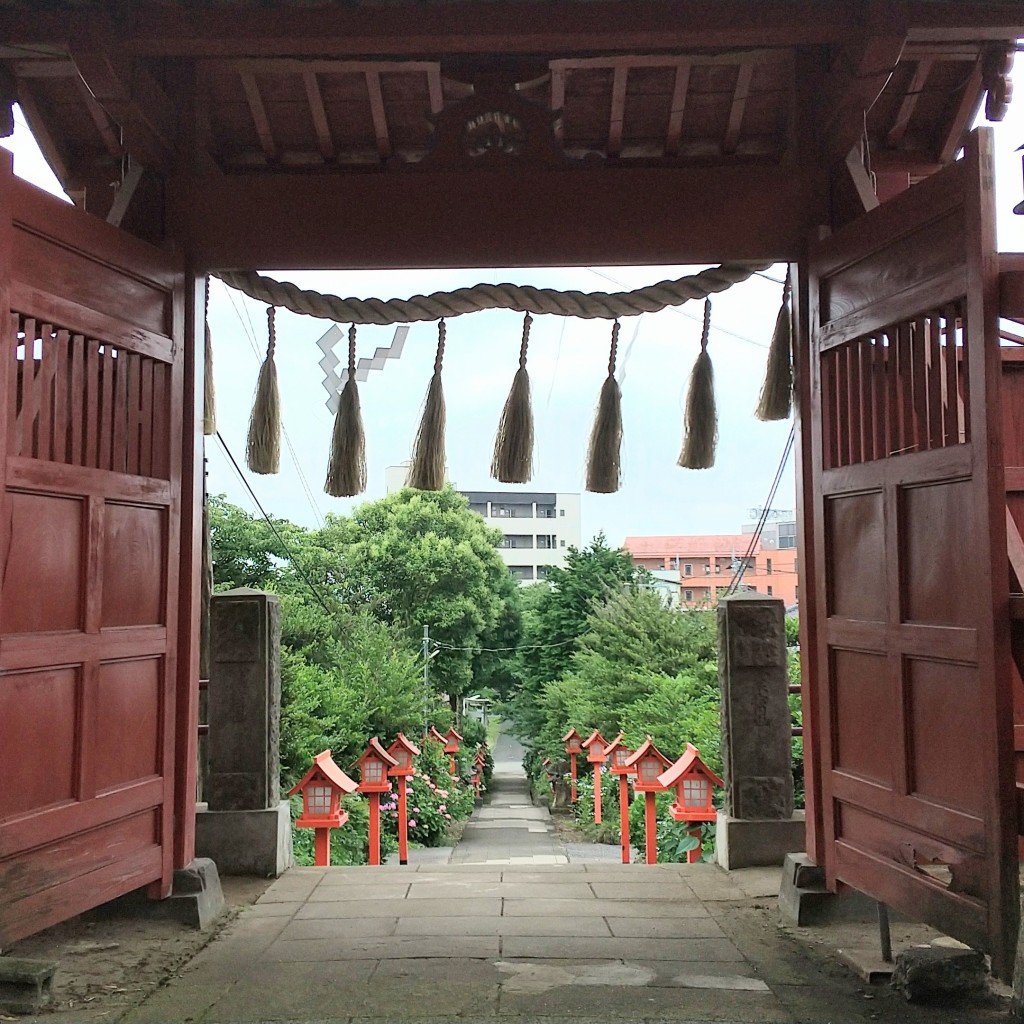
(603, 1003)
(468, 873)
(649, 889)
(611, 948)
(274, 909)
(664, 928)
(601, 908)
(330, 927)
(514, 890)
(356, 947)
(507, 926)
(382, 891)
(439, 908)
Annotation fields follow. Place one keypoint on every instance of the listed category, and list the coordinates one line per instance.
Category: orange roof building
(698, 568)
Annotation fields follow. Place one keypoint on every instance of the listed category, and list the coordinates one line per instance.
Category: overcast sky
(567, 363)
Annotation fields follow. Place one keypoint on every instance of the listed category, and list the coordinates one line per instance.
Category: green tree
(557, 617)
(422, 558)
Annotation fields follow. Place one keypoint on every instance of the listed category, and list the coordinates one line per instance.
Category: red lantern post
(573, 745)
(478, 770)
(451, 747)
(322, 788)
(595, 745)
(694, 782)
(374, 765)
(649, 763)
(403, 751)
(618, 754)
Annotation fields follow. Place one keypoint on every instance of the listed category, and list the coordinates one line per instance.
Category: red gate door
(916, 706)
(90, 441)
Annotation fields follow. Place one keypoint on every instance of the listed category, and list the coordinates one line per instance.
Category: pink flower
(448, 816)
(442, 792)
(412, 823)
(441, 808)
(416, 810)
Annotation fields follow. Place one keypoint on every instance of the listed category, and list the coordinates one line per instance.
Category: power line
(250, 334)
(502, 650)
(284, 544)
(689, 316)
(756, 535)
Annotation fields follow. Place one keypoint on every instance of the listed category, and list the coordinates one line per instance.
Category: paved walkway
(509, 829)
(509, 931)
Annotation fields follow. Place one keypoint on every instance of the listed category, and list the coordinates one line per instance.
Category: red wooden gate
(911, 593)
(91, 397)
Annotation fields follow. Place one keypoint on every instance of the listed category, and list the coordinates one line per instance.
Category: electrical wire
(284, 544)
(250, 334)
(756, 536)
(682, 312)
(503, 650)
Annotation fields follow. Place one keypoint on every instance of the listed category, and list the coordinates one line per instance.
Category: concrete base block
(196, 899)
(741, 843)
(246, 842)
(804, 899)
(26, 986)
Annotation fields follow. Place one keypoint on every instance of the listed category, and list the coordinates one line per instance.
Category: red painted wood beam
(513, 27)
(578, 217)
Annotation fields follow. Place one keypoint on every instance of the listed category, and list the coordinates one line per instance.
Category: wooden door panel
(91, 374)
(912, 593)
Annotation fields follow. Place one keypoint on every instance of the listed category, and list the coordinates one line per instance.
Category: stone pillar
(758, 825)
(246, 827)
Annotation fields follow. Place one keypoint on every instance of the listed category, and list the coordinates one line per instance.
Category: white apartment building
(538, 527)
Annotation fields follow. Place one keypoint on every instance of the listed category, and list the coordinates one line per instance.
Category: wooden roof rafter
(677, 109)
(259, 115)
(744, 77)
(378, 113)
(316, 108)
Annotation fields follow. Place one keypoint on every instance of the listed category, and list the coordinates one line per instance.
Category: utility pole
(426, 678)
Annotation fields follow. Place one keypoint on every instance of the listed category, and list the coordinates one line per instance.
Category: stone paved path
(509, 829)
(510, 932)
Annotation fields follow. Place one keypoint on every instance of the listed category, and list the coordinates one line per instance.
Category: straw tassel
(263, 448)
(701, 431)
(428, 462)
(776, 400)
(606, 437)
(513, 446)
(209, 396)
(346, 470)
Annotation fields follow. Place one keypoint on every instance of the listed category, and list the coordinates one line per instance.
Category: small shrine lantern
(649, 763)
(322, 788)
(595, 745)
(694, 784)
(403, 751)
(452, 739)
(573, 746)
(573, 742)
(618, 754)
(374, 765)
(433, 734)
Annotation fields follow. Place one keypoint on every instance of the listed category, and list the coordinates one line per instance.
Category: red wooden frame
(96, 677)
(910, 587)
